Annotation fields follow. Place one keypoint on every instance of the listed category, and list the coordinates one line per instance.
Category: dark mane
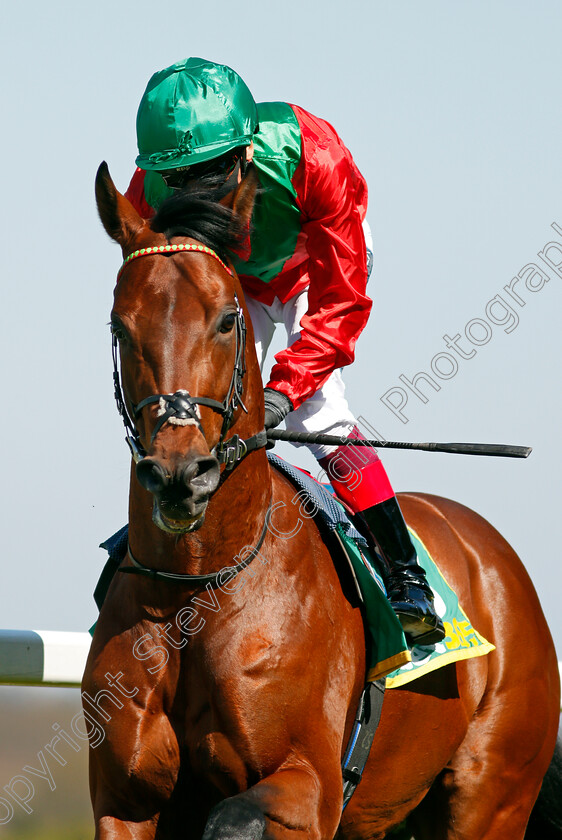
(196, 212)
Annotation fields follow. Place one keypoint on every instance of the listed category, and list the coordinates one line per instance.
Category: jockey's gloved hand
(277, 406)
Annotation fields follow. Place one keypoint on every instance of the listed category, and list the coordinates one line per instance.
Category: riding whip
(501, 450)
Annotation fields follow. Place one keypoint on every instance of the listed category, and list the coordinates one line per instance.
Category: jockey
(309, 259)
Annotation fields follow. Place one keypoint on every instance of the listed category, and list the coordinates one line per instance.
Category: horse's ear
(241, 200)
(117, 214)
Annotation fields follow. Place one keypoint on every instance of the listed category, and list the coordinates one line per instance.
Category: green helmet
(192, 112)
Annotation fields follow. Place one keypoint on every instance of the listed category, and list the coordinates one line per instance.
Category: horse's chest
(172, 701)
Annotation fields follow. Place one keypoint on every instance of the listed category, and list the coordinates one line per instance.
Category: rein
(180, 408)
(213, 578)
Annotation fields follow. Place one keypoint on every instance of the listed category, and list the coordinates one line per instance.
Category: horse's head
(178, 328)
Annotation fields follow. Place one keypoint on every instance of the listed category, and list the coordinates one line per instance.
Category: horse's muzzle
(181, 493)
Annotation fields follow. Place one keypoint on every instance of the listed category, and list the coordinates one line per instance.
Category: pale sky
(452, 111)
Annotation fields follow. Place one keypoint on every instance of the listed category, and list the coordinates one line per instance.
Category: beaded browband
(170, 249)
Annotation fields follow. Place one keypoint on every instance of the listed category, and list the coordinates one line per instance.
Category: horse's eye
(228, 322)
(118, 331)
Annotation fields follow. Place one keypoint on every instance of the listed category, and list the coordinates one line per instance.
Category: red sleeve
(135, 194)
(333, 198)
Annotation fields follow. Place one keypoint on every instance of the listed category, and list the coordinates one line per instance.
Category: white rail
(43, 657)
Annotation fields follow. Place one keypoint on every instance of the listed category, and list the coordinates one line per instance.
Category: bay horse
(218, 705)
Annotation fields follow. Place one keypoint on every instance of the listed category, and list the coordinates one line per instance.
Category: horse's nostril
(202, 473)
(206, 465)
(151, 475)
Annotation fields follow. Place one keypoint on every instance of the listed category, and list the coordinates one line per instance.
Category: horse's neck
(234, 519)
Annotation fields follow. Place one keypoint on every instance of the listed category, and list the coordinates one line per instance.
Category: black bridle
(180, 408)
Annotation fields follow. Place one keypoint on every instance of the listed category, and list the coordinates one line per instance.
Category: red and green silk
(306, 232)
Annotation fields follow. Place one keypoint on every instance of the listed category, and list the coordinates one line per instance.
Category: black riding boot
(406, 584)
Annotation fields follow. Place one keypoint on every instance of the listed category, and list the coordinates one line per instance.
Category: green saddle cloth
(389, 654)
